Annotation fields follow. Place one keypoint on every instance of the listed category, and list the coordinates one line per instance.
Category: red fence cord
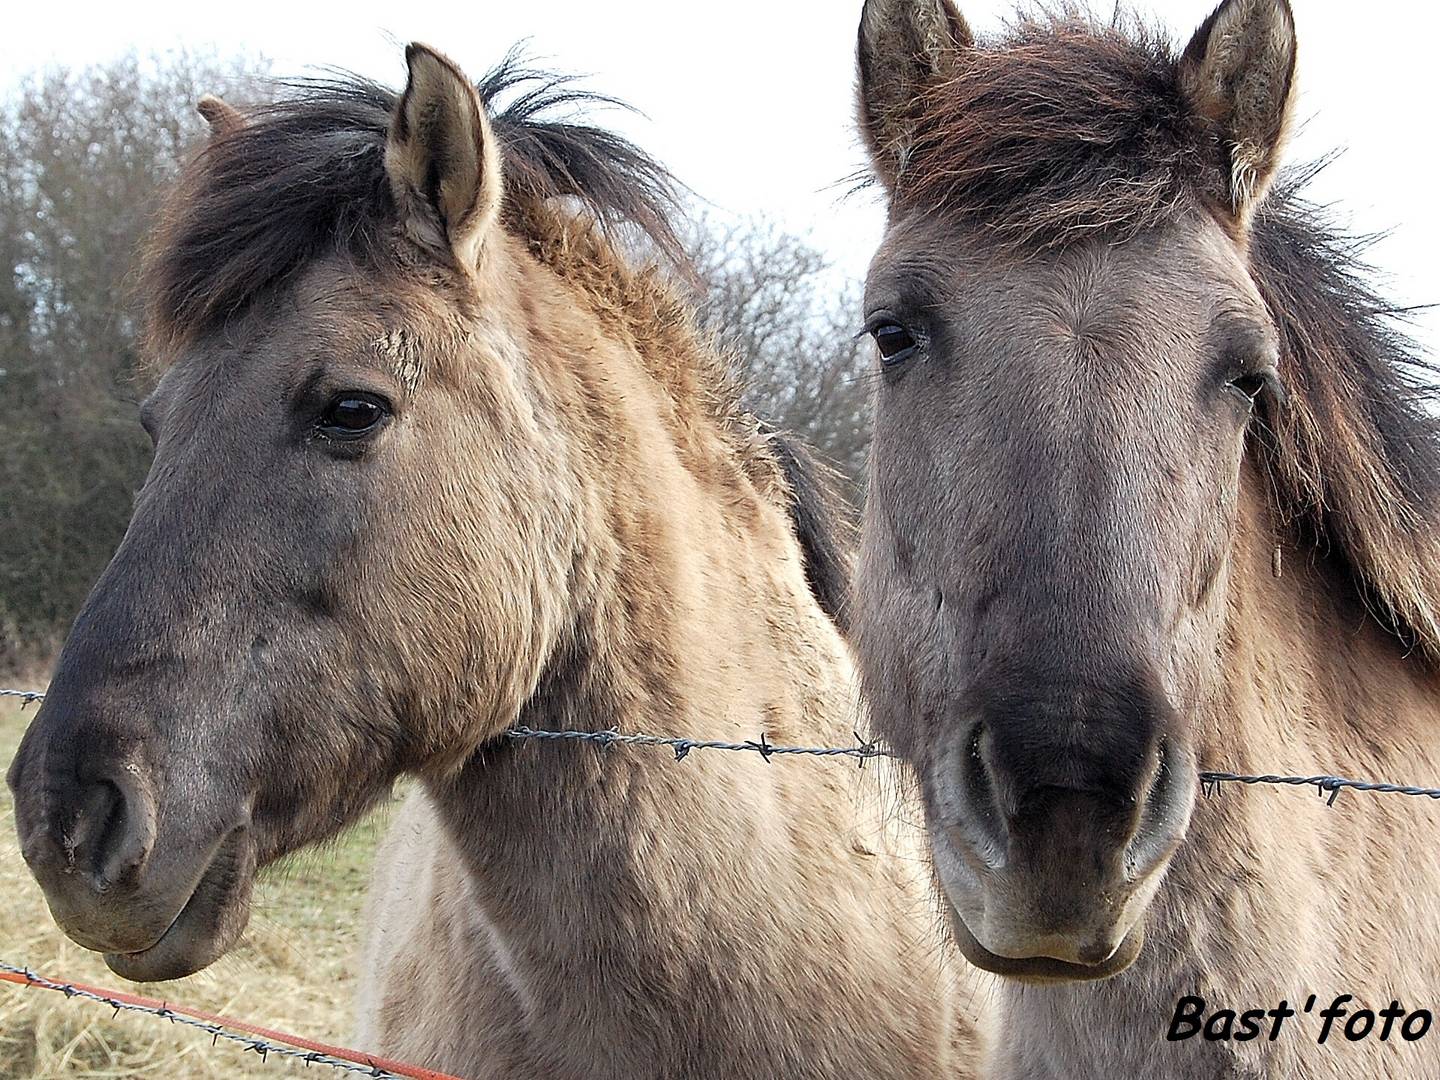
(379, 1064)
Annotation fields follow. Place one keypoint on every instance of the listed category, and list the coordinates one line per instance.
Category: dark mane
(1062, 128)
(305, 176)
(1067, 128)
(1354, 452)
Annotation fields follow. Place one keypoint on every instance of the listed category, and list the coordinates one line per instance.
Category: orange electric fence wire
(313, 1051)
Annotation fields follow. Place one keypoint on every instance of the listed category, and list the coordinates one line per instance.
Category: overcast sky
(750, 101)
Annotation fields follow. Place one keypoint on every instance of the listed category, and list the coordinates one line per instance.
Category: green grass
(294, 969)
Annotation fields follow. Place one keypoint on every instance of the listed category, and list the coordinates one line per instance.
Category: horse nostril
(96, 809)
(977, 773)
(1166, 813)
(113, 833)
(985, 825)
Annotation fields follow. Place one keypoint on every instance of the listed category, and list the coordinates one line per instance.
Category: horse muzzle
(1054, 886)
(160, 897)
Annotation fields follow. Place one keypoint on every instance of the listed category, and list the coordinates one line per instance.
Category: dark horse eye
(352, 416)
(895, 342)
(1250, 387)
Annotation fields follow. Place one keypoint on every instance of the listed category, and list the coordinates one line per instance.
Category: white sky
(750, 101)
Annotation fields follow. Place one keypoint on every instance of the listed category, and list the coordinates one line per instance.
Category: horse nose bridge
(210, 502)
(167, 612)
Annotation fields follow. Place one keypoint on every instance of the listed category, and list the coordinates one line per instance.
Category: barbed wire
(1332, 784)
(218, 1028)
(865, 750)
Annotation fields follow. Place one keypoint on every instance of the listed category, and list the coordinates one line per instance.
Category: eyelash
(908, 345)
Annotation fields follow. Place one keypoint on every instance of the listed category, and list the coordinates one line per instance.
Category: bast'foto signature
(1354, 1025)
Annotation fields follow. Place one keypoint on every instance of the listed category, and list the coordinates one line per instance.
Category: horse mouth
(208, 924)
(1046, 969)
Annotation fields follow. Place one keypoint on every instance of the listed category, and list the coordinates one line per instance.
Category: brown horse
(1153, 491)
(433, 459)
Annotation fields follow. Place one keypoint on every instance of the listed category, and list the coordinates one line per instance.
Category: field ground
(294, 969)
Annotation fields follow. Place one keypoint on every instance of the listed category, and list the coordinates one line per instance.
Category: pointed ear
(1238, 72)
(223, 118)
(442, 159)
(907, 47)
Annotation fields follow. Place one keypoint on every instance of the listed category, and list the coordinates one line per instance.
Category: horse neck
(690, 609)
(690, 616)
(1311, 682)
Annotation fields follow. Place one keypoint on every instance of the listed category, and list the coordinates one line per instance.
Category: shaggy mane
(1354, 451)
(1063, 128)
(305, 176)
(1067, 128)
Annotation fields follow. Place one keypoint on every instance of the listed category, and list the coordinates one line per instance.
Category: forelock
(304, 177)
(1058, 130)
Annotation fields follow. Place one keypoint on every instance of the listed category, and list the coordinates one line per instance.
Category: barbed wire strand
(250, 1037)
(864, 751)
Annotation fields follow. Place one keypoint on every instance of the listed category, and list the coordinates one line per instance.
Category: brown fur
(563, 520)
(1133, 382)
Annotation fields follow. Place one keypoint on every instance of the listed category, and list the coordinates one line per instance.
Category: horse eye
(894, 341)
(1250, 387)
(351, 416)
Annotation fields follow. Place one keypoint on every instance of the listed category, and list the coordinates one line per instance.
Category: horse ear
(223, 118)
(1238, 72)
(442, 159)
(907, 47)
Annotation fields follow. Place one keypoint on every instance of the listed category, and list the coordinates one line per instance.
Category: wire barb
(683, 747)
(27, 697)
(1332, 784)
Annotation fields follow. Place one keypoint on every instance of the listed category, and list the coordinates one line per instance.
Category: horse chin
(209, 924)
(1046, 969)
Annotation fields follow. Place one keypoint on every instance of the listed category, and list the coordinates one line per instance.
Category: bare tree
(773, 301)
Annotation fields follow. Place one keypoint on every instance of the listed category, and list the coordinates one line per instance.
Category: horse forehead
(1134, 319)
(1166, 270)
(1175, 272)
(400, 351)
